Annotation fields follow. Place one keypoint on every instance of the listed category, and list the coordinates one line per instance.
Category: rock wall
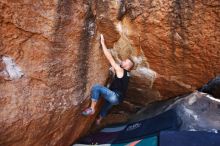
(51, 57)
(52, 42)
(175, 45)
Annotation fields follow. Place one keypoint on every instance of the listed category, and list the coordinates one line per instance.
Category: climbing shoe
(88, 111)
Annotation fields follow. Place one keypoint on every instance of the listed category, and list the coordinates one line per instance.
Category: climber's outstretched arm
(111, 60)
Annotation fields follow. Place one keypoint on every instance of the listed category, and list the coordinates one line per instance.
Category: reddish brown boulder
(51, 56)
(175, 45)
(54, 46)
(180, 40)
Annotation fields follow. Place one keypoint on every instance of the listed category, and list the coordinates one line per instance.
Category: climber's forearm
(106, 52)
(104, 48)
(108, 56)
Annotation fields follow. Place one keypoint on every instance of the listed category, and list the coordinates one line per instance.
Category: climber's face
(127, 64)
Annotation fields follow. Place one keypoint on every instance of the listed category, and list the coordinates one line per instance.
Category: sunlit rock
(56, 57)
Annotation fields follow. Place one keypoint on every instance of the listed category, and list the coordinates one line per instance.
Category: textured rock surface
(52, 43)
(175, 45)
(55, 57)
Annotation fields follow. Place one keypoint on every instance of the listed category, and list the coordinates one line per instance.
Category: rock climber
(116, 92)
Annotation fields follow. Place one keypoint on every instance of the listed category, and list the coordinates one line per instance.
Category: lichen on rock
(11, 70)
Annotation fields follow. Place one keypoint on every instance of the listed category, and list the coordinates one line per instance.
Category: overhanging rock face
(51, 57)
(53, 45)
(175, 46)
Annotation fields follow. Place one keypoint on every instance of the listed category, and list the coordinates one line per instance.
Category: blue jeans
(111, 98)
